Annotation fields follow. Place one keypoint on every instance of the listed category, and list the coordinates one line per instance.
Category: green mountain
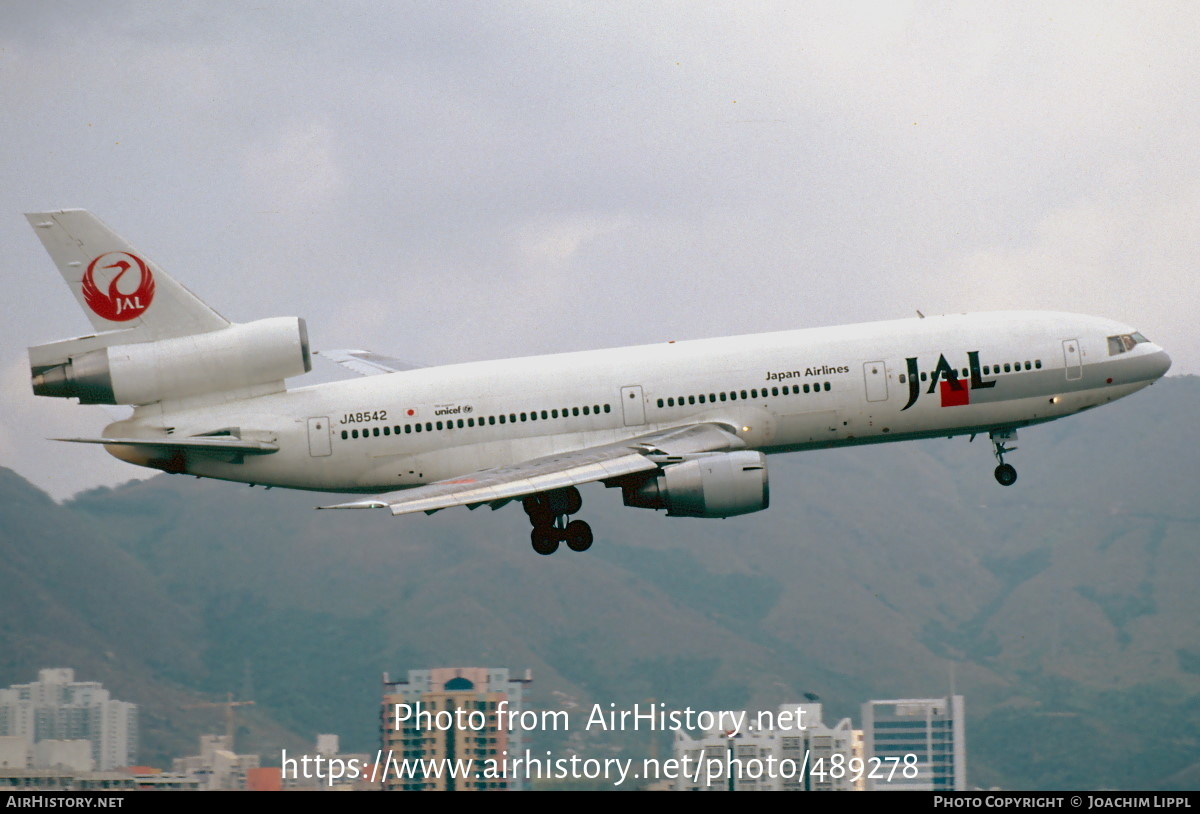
(1063, 607)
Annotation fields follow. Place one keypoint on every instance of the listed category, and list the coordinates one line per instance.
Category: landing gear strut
(548, 513)
(1006, 474)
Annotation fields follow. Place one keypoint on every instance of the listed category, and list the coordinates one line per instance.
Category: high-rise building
(439, 719)
(792, 750)
(57, 707)
(928, 734)
(217, 767)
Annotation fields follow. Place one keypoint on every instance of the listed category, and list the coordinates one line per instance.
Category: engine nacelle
(718, 485)
(239, 356)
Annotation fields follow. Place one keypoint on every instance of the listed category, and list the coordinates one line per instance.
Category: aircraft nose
(1157, 364)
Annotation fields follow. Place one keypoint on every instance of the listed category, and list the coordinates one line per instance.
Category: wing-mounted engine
(718, 485)
(101, 370)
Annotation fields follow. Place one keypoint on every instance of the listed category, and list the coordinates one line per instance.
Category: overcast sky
(447, 181)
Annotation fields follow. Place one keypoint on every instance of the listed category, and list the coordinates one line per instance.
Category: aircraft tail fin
(115, 285)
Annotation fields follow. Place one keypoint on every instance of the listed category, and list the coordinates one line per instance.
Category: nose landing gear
(548, 513)
(1006, 474)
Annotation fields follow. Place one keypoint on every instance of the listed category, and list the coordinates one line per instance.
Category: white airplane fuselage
(778, 392)
(682, 427)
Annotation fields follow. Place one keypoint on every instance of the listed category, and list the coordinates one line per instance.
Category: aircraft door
(875, 376)
(633, 406)
(319, 439)
(1073, 359)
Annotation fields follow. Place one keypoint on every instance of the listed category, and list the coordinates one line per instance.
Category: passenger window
(924, 376)
(574, 411)
(418, 428)
(743, 395)
(524, 416)
(701, 398)
(512, 418)
(671, 401)
(828, 387)
(408, 429)
(1037, 363)
(774, 391)
(585, 409)
(460, 423)
(353, 433)
(1007, 368)
(345, 435)
(387, 430)
(723, 397)
(502, 418)
(608, 408)
(545, 415)
(439, 425)
(376, 432)
(660, 403)
(806, 388)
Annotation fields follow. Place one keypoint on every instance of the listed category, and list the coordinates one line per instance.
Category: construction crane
(228, 704)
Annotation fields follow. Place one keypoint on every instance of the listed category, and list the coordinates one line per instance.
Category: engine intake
(718, 485)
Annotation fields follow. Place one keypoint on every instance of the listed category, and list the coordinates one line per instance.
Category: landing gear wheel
(545, 539)
(578, 535)
(1006, 474)
(539, 514)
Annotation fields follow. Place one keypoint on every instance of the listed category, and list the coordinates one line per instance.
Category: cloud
(297, 169)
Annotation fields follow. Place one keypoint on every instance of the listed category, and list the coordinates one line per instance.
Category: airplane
(677, 426)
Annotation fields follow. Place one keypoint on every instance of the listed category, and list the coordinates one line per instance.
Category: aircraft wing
(365, 362)
(495, 487)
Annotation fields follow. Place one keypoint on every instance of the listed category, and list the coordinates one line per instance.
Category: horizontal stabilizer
(215, 444)
(365, 362)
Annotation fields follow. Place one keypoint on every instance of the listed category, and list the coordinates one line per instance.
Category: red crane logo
(116, 305)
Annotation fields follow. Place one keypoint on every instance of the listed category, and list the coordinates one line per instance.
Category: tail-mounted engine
(97, 370)
(718, 485)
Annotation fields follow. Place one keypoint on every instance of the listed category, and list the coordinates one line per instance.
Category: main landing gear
(1006, 474)
(548, 514)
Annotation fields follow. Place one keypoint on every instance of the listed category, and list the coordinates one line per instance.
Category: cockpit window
(1124, 342)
